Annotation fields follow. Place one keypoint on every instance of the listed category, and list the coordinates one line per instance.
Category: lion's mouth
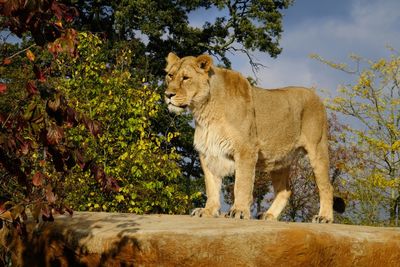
(178, 106)
(173, 107)
(176, 109)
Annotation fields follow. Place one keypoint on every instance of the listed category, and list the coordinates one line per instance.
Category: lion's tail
(338, 204)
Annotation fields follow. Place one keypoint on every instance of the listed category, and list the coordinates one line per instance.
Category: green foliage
(126, 105)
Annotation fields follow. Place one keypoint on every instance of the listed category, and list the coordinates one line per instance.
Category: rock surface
(116, 239)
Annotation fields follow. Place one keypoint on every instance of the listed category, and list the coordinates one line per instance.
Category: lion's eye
(185, 78)
(170, 75)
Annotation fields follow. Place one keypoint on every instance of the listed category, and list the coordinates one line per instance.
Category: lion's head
(187, 81)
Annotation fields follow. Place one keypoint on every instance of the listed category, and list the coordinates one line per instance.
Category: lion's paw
(321, 219)
(238, 214)
(203, 212)
(267, 217)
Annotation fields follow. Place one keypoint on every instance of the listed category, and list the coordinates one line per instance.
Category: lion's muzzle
(173, 107)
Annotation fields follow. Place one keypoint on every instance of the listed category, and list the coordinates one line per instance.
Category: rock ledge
(117, 239)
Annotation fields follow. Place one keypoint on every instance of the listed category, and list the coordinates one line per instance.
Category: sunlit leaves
(30, 55)
(372, 102)
(128, 148)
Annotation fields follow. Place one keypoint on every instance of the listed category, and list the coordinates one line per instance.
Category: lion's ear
(171, 60)
(204, 62)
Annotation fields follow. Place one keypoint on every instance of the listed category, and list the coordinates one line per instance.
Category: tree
(373, 104)
(154, 28)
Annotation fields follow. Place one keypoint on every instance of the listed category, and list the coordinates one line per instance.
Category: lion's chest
(216, 149)
(212, 142)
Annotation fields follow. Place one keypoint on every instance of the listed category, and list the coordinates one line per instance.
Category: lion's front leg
(213, 188)
(245, 163)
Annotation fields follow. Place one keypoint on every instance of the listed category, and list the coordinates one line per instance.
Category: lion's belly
(216, 149)
(278, 149)
(269, 161)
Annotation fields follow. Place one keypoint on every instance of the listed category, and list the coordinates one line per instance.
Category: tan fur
(241, 128)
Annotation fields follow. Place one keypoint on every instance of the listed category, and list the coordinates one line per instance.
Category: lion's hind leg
(316, 146)
(280, 182)
(319, 160)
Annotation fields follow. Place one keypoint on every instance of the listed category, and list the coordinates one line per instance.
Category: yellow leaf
(124, 156)
(119, 198)
(396, 145)
(30, 55)
(59, 23)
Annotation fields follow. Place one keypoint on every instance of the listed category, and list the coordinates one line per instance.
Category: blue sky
(332, 29)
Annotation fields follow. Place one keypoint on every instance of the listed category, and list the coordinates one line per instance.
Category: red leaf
(54, 104)
(94, 127)
(54, 135)
(113, 184)
(3, 88)
(7, 61)
(31, 88)
(39, 74)
(37, 179)
(25, 148)
(50, 196)
(80, 160)
(58, 9)
(71, 117)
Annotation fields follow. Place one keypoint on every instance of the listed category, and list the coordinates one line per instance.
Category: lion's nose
(169, 95)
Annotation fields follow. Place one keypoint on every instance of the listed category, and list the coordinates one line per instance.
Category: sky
(332, 29)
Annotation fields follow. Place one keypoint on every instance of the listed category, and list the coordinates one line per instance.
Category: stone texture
(115, 239)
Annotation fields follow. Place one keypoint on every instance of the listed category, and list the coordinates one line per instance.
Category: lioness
(240, 127)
